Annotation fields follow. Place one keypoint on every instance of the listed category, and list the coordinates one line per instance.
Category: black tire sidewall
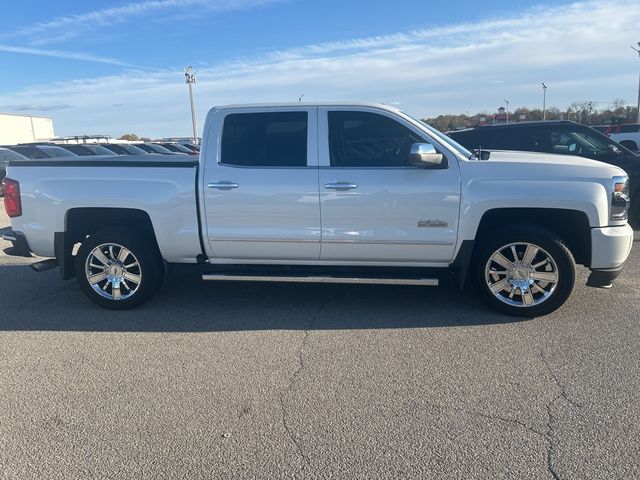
(634, 210)
(542, 238)
(143, 249)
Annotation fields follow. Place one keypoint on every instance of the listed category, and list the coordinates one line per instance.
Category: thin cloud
(65, 28)
(85, 57)
(30, 107)
(425, 74)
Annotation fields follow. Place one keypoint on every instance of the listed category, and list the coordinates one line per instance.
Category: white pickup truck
(329, 192)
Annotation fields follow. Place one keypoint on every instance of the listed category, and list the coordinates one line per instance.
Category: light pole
(190, 79)
(507, 102)
(638, 51)
(544, 101)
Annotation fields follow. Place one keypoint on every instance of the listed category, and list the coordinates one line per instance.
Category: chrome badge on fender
(432, 224)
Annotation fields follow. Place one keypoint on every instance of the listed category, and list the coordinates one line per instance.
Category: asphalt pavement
(269, 381)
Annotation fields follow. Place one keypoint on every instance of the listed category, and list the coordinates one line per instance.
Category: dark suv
(558, 137)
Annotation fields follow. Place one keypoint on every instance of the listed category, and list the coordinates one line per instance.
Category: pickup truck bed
(161, 186)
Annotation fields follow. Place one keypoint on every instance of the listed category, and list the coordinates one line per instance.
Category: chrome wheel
(113, 271)
(521, 274)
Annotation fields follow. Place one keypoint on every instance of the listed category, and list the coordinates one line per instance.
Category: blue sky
(116, 66)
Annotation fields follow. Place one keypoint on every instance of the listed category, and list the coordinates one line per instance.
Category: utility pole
(507, 102)
(190, 79)
(637, 50)
(544, 101)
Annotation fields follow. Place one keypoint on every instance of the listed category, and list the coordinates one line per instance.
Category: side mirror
(425, 155)
(613, 149)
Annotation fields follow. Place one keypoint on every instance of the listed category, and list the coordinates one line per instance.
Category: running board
(44, 265)
(431, 282)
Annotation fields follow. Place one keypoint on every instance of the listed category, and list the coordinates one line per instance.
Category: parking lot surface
(249, 380)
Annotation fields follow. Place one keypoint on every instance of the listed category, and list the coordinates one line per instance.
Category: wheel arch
(572, 226)
(81, 223)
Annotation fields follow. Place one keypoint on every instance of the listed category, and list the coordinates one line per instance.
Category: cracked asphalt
(249, 380)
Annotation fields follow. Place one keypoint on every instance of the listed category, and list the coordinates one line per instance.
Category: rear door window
(269, 139)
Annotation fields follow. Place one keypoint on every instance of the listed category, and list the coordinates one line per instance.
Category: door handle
(341, 186)
(223, 185)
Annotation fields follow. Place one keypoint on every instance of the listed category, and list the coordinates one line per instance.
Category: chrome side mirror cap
(614, 150)
(425, 155)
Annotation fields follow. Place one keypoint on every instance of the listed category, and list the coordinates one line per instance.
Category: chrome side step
(431, 282)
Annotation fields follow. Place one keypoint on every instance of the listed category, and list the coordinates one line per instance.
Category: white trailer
(16, 129)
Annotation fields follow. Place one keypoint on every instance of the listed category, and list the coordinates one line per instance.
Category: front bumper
(20, 246)
(610, 246)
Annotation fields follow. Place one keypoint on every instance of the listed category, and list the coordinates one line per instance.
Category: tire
(119, 270)
(634, 210)
(519, 288)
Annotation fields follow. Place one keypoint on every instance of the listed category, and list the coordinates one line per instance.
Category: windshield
(150, 148)
(6, 155)
(600, 138)
(133, 150)
(174, 147)
(56, 151)
(100, 150)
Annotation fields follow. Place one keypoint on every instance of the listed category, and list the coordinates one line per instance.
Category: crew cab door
(260, 184)
(375, 207)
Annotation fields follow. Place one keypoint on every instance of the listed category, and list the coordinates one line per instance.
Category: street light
(638, 51)
(544, 101)
(190, 79)
(507, 102)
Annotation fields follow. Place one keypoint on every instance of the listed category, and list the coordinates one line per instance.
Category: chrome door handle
(223, 185)
(341, 186)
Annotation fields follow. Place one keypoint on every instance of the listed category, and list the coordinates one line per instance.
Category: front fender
(483, 195)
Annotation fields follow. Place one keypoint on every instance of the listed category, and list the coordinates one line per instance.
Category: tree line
(580, 112)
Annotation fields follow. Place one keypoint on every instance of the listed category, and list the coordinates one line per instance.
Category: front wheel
(118, 270)
(524, 271)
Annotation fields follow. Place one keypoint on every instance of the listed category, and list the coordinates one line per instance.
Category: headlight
(620, 198)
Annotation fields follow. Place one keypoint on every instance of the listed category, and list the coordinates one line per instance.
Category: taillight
(12, 201)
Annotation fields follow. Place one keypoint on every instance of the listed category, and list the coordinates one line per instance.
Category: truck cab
(326, 184)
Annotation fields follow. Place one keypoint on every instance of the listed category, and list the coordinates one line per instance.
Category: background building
(16, 129)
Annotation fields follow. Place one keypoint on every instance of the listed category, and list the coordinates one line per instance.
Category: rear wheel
(524, 271)
(119, 270)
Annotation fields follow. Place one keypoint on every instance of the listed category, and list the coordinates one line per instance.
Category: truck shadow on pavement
(42, 302)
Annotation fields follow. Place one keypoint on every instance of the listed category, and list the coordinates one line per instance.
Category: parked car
(39, 151)
(558, 137)
(124, 149)
(192, 146)
(153, 148)
(627, 135)
(177, 148)
(5, 156)
(87, 149)
(379, 196)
